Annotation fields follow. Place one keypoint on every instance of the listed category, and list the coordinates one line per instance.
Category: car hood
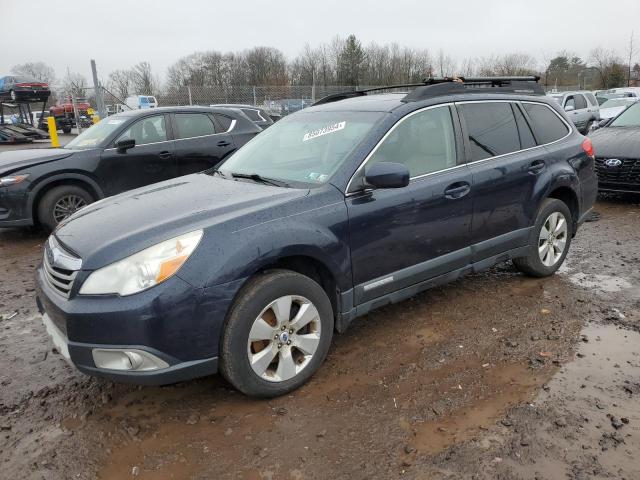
(606, 113)
(614, 142)
(116, 227)
(18, 159)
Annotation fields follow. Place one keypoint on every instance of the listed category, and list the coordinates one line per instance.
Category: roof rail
(435, 87)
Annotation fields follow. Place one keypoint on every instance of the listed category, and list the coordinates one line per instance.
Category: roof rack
(435, 87)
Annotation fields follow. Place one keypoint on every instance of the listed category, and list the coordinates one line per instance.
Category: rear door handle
(457, 190)
(164, 154)
(223, 143)
(536, 167)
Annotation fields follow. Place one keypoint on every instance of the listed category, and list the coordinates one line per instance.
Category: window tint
(546, 125)
(491, 128)
(254, 115)
(189, 125)
(526, 137)
(224, 122)
(580, 102)
(570, 102)
(424, 142)
(147, 130)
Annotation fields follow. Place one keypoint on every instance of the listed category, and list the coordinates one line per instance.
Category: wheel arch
(43, 187)
(569, 197)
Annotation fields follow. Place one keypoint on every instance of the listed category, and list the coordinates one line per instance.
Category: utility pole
(630, 59)
(98, 90)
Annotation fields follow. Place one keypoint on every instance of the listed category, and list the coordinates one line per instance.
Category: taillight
(587, 146)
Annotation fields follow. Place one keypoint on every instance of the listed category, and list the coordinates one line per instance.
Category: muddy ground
(496, 376)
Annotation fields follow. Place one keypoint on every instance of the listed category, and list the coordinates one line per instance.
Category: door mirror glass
(387, 175)
(125, 144)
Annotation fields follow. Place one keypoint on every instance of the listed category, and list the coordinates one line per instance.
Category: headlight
(12, 180)
(144, 269)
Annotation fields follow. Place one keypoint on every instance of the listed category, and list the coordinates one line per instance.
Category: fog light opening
(127, 360)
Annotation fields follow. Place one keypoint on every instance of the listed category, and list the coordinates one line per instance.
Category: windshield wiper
(259, 178)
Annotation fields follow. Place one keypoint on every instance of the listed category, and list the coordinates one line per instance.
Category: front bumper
(14, 207)
(177, 324)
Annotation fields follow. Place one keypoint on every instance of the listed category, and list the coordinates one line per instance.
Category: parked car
(140, 102)
(581, 107)
(618, 152)
(611, 108)
(122, 152)
(329, 213)
(18, 88)
(257, 115)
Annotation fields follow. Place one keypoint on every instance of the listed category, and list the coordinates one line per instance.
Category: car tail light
(587, 146)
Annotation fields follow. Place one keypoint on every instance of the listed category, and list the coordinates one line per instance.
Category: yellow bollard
(53, 132)
(96, 119)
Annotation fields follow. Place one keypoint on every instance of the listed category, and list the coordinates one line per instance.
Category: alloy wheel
(66, 206)
(284, 338)
(552, 241)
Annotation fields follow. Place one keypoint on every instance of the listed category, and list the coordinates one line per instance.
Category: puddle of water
(602, 283)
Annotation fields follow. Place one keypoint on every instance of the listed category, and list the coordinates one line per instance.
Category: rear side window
(580, 102)
(254, 115)
(224, 122)
(546, 125)
(491, 129)
(189, 125)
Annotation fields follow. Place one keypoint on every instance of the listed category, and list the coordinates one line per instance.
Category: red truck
(65, 117)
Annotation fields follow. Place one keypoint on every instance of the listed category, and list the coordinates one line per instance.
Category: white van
(136, 102)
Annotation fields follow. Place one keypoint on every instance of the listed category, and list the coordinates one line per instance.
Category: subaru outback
(359, 201)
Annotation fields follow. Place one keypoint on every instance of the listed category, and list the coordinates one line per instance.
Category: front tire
(549, 241)
(61, 202)
(277, 335)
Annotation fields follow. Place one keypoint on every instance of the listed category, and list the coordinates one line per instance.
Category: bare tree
(38, 70)
(445, 65)
(74, 84)
(631, 52)
(143, 80)
(121, 82)
(607, 64)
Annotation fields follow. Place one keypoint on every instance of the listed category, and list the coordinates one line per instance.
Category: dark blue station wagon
(359, 201)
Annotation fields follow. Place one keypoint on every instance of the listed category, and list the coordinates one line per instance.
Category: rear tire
(549, 241)
(60, 200)
(277, 334)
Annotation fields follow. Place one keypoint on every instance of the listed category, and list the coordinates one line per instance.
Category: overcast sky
(120, 33)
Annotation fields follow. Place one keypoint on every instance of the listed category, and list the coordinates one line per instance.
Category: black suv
(122, 152)
(357, 202)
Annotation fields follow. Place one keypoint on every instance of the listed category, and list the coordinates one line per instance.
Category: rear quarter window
(254, 115)
(223, 121)
(546, 125)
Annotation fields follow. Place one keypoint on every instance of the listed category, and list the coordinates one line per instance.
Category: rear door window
(591, 99)
(546, 125)
(491, 129)
(190, 125)
(581, 103)
(570, 102)
(224, 122)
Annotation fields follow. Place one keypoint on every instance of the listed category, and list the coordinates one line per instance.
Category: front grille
(628, 173)
(59, 278)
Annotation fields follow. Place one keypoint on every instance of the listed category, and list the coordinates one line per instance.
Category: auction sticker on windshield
(324, 131)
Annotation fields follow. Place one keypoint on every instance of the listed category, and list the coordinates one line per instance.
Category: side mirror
(124, 145)
(569, 108)
(387, 175)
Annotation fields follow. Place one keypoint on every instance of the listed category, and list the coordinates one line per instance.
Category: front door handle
(223, 143)
(536, 167)
(457, 190)
(164, 154)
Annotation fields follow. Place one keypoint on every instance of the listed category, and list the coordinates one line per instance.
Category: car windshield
(617, 102)
(306, 148)
(629, 118)
(95, 135)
